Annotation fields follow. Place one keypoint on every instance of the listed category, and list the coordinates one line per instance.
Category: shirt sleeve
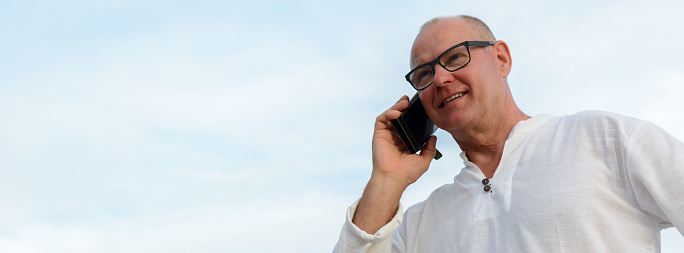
(353, 239)
(655, 165)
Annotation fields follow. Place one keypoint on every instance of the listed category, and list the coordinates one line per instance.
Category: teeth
(453, 97)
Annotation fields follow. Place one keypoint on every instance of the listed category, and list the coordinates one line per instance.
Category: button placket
(487, 185)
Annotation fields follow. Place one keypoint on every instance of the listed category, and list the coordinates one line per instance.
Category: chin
(447, 125)
(453, 122)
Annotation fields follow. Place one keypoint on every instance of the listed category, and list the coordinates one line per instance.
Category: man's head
(474, 97)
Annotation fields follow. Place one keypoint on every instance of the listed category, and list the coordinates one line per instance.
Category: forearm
(378, 204)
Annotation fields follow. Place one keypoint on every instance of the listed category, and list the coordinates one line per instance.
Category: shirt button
(487, 188)
(485, 181)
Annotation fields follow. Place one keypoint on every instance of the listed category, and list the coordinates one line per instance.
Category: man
(590, 182)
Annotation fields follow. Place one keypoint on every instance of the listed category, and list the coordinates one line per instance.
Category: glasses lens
(421, 77)
(455, 58)
(452, 60)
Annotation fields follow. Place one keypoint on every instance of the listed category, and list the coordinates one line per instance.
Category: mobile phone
(415, 127)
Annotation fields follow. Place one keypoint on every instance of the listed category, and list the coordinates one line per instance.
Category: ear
(503, 57)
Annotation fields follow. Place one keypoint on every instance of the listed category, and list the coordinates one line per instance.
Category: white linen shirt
(589, 182)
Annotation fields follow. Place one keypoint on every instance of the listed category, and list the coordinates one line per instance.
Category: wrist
(386, 185)
(378, 204)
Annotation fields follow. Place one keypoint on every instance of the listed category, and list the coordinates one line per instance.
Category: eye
(424, 74)
(452, 58)
(455, 59)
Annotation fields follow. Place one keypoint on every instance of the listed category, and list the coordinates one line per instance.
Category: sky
(245, 126)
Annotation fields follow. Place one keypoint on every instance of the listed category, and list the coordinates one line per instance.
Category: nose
(442, 76)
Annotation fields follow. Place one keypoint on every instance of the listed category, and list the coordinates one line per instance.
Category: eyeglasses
(452, 59)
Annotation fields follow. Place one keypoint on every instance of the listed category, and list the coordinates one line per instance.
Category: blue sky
(238, 126)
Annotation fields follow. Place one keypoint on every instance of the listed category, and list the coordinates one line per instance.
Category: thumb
(430, 149)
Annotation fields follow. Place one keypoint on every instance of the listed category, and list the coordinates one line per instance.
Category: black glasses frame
(467, 45)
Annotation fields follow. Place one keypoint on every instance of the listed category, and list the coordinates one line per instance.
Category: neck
(484, 144)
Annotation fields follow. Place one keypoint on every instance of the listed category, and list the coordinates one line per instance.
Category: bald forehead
(474, 25)
(438, 35)
(442, 20)
(435, 27)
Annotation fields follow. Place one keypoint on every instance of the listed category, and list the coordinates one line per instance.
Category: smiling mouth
(455, 96)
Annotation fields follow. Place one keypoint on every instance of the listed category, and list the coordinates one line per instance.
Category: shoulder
(587, 128)
(601, 118)
(600, 121)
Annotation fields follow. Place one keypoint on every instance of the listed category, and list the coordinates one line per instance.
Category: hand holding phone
(393, 169)
(415, 127)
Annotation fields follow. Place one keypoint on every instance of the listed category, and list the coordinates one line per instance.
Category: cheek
(426, 97)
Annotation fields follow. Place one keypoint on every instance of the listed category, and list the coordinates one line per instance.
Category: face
(470, 97)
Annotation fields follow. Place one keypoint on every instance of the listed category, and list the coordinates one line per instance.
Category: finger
(401, 104)
(430, 149)
(392, 113)
(382, 121)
